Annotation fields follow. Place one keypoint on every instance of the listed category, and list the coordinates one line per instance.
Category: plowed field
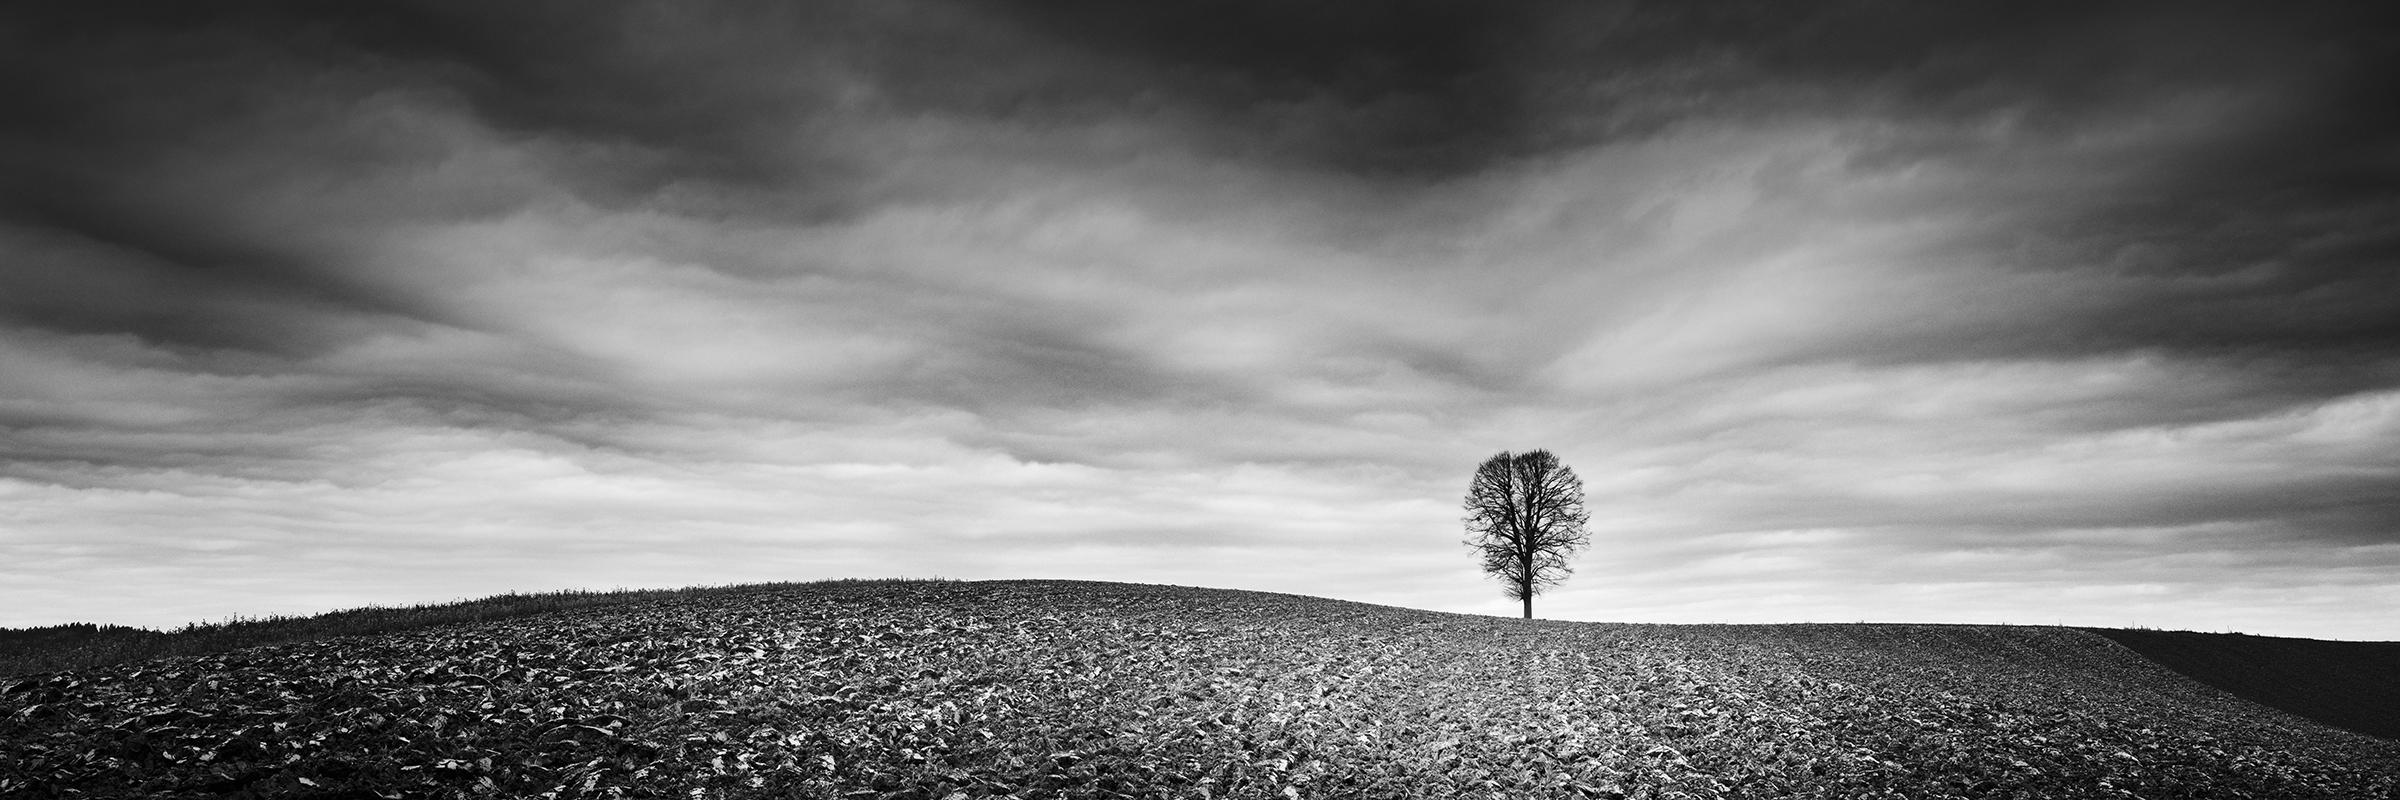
(1050, 689)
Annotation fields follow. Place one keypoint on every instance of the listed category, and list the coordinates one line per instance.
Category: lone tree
(1525, 514)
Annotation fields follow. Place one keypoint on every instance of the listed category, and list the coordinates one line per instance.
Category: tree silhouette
(1525, 515)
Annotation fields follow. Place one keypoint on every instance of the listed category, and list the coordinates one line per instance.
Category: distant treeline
(85, 645)
(71, 637)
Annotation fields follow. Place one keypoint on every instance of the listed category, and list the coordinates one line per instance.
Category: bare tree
(1525, 514)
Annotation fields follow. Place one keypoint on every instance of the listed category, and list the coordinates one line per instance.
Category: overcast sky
(1955, 312)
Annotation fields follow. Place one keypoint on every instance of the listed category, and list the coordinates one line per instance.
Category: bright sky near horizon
(2078, 313)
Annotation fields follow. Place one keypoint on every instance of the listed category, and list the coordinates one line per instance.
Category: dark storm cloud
(2243, 222)
(1406, 89)
(2252, 235)
(1445, 89)
(129, 240)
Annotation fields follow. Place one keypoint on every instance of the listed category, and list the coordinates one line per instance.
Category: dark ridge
(2349, 685)
(84, 645)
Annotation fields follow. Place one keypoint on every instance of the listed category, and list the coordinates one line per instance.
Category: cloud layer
(1955, 313)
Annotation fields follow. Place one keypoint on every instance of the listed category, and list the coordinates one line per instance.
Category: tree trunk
(1529, 605)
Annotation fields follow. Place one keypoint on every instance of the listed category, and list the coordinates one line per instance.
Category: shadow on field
(2351, 685)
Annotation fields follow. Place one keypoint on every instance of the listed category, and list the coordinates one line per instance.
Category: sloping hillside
(2353, 685)
(1041, 688)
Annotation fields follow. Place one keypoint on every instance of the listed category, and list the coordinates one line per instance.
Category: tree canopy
(1525, 516)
